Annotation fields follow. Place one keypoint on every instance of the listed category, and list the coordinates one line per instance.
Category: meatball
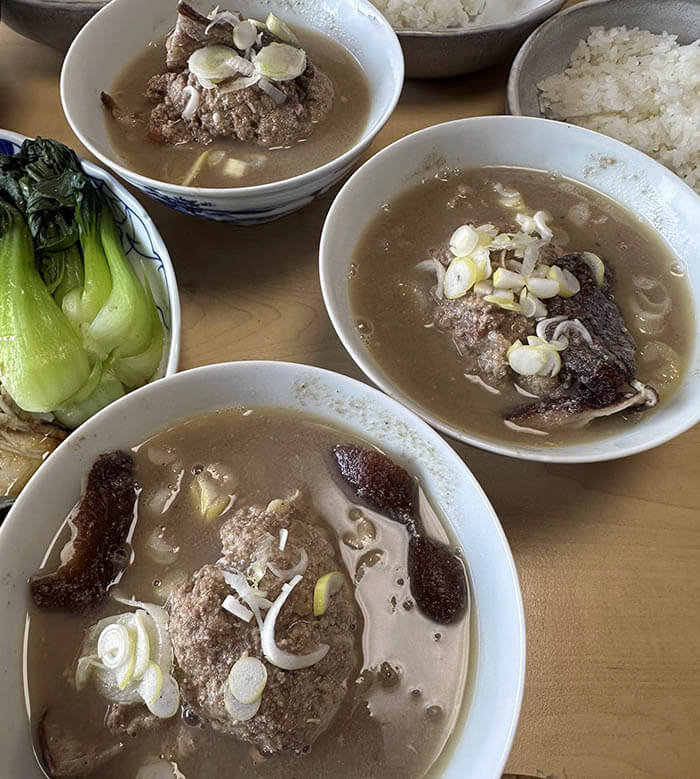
(296, 706)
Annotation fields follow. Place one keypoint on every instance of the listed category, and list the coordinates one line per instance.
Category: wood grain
(608, 555)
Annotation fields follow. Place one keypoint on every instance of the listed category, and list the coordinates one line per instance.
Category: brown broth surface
(383, 729)
(333, 136)
(392, 304)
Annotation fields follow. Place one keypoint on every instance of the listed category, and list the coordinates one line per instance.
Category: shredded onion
(508, 194)
(540, 219)
(243, 82)
(521, 429)
(231, 605)
(522, 391)
(285, 574)
(569, 326)
(287, 661)
(270, 89)
(478, 380)
(193, 98)
(222, 16)
(530, 257)
(284, 534)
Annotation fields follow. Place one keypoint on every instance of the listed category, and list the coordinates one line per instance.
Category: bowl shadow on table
(451, 91)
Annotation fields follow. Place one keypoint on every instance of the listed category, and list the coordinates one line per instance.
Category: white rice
(640, 88)
(429, 14)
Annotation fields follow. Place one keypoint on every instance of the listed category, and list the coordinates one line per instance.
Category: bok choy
(77, 326)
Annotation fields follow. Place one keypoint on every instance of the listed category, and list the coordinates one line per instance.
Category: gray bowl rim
(61, 6)
(535, 15)
(513, 86)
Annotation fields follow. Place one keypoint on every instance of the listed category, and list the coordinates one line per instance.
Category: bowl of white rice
(443, 38)
(627, 68)
(53, 22)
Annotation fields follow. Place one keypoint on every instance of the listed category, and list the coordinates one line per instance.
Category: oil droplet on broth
(364, 535)
(355, 514)
(434, 713)
(364, 327)
(352, 271)
(368, 560)
(388, 675)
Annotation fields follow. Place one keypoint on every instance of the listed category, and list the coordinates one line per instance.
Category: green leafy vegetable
(42, 361)
(123, 324)
(73, 276)
(98, 280)
(77, 328)
(101, 389)
(136, 370)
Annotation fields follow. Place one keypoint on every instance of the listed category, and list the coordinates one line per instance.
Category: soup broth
(178, 164)
(404, 698)
(394, 301)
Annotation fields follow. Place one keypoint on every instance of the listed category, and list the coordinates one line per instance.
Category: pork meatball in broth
(286, 600)
(226, 101)
(539, 310)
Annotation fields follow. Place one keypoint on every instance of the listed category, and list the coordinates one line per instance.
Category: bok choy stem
(42, 361)
(98, 280)
(123, 324)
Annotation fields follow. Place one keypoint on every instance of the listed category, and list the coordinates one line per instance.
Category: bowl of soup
(269, 566)
(526, 287)
(243, 112)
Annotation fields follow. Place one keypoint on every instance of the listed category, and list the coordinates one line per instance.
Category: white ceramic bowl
(499, 661)
(123, 28)
(493, 36)
(635, 181)
(143, 247)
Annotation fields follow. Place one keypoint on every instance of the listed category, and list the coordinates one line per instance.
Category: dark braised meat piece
(128, 720)
(192, 31)
(64, 756)
(438, 580)
(595, 378)
(379, 482)
(101, 524)
(580, 409)
(121, 116)
(607, 365)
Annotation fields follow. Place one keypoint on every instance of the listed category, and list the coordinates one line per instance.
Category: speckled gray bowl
(496, 34)
(45, 21)
(548, 50)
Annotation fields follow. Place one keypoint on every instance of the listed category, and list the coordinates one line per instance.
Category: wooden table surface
(608, 554)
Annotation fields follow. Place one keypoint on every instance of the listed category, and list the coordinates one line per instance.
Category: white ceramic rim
(532, 16)
(513, 85)
(372, 370)
(346, 158)
(497, 578)
(171, 288)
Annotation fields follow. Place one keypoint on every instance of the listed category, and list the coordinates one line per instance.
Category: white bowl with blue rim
(99, 54)
(494, 685)
(143, 247)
